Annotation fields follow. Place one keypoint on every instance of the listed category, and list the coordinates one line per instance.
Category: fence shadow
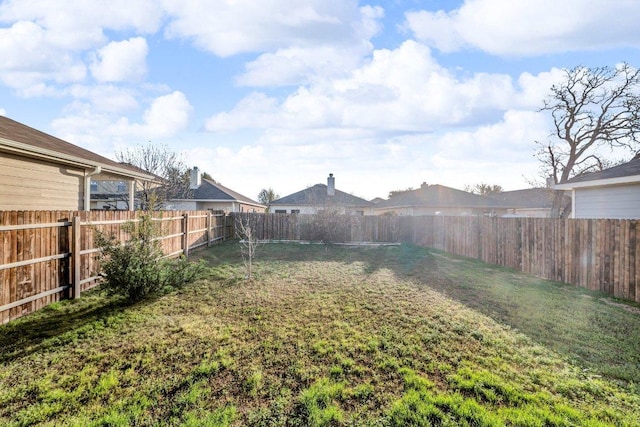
(57, 324)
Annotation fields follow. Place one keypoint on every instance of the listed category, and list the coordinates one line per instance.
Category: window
(284, 211)
(94, 186)
(122, 187)
(295, 211)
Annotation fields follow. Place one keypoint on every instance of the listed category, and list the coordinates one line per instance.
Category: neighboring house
(319, 198)
(41, 172)
(610, 193)
(110, 195)
(531, 202)
(437, 200)
(209, 195)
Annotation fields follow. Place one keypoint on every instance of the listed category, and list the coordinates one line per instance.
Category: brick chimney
(331, 185)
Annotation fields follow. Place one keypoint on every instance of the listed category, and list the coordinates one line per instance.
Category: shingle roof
(210, 190)
(527, 198)
(437, 196)
(626, 169)
(38, 141)
(317, 195)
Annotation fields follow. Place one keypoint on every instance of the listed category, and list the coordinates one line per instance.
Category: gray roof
(317, 195)
(527, 198)
(36, 142)
(631, 168)
(438, 196)
(210, 190)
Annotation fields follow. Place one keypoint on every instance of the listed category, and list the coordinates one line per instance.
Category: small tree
(267, 196)
(136, 268)
(245, 225)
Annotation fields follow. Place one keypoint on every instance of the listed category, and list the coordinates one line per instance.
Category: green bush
(136, 268)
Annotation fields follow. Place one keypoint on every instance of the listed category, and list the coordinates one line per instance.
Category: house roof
(437, 196)
(21, 139)
(317, 195)
(212, 191)
(528, 198)
(625, 173)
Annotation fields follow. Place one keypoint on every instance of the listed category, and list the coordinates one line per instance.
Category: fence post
(185, 235)
(76, 235)
(209, 223)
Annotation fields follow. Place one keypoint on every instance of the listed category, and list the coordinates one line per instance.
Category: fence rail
(597, 254)
(49, 255)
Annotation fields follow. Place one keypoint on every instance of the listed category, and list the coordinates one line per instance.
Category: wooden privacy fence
(45, 256)
(322, 228)
(597, 254)
(49, 255)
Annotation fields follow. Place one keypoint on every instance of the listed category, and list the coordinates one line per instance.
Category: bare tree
(483, 189)
(245, 225)
(173, 175)
(594, 110)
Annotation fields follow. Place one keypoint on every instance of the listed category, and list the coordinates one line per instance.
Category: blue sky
(280, 93)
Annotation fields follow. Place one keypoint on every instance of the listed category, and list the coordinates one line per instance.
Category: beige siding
(27, 184)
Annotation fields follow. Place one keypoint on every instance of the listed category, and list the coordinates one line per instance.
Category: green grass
(329, 336)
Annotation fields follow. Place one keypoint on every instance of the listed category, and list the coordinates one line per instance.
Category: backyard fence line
(46, 256)
(49, 255)
(596, 254)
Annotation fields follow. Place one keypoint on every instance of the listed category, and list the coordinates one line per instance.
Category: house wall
(28, 184)
(227, 207)
(614, 202)
(419, 211)
(306, 209)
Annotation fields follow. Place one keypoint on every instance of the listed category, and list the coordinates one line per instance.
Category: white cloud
(121, 61)
(44, 46)
(398, 90)
(228, 28)
(506, 27)
(29, 58)
(105, 98)
(254, 111)
(165, 117)
(3, 112)
(295, 65)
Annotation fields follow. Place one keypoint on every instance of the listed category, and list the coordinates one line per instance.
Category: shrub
(137, 269)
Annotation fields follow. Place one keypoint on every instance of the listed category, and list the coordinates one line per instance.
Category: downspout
(87, 187)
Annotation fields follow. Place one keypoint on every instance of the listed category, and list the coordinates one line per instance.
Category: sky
(277, 94)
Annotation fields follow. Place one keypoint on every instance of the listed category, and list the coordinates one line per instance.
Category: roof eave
(27, 150)
(632, 179)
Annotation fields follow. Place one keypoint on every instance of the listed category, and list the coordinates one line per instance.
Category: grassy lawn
(330, 336)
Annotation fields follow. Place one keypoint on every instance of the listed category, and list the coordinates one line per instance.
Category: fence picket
(601, 255)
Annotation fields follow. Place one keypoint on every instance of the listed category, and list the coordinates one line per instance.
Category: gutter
(45, 154)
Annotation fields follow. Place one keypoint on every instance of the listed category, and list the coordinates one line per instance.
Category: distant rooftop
(317, 195)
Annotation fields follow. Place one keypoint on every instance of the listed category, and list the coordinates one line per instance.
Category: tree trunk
(558, 209)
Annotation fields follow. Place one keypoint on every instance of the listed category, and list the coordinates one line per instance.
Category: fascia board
(45, 154)
(633, 179)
